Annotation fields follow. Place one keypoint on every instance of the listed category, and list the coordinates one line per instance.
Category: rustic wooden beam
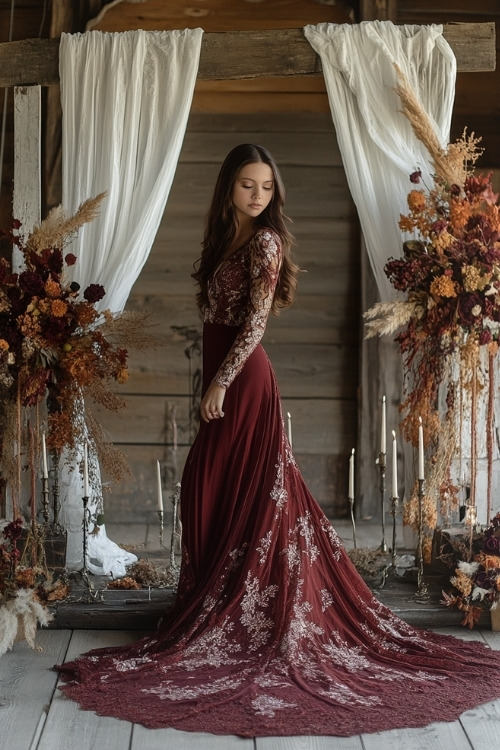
(242, 54)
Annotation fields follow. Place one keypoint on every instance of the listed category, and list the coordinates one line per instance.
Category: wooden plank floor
(34, 715)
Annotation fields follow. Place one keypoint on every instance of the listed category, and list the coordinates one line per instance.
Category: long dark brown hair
(221, 224)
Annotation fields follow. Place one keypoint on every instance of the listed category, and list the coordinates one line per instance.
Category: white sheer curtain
(379, 152)
(125, 99)
(378, 147)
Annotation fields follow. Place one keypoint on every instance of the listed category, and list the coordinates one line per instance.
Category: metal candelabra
(381, 466)
(351, 503)
(422, 593)
(45, 499)
(90, 594)
(160, 527)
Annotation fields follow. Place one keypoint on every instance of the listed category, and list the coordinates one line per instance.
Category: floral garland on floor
(450, 274)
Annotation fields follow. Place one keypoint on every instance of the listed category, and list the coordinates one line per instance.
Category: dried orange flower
(416, 201)
(58, 308)
(52, 288)
(443, 286)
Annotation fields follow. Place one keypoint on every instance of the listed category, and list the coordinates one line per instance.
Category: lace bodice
(241, 293)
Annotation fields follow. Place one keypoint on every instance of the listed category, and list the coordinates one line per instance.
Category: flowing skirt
(274, 632)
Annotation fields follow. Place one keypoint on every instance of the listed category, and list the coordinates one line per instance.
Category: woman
(274, 632)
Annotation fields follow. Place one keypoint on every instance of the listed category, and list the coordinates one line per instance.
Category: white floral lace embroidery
(266, 705)
(263, 547)
(326, 599)
(241, 294)
(253, 618)
(278, 492)
(167, 691)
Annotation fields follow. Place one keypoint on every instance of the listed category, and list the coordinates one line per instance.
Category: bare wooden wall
(313, 346)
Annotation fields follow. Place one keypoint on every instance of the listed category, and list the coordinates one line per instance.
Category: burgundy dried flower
(70, 259)
(415, 177)
(31, 283)
(13, 530)
(94, 293)
(485, 336)
(492, 545)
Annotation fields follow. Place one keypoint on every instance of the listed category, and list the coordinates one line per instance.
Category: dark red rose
(13, 530)
(483, 580)
(31, 283)
(492, 545)
(94, 293)
(70, 259)
(415, 177)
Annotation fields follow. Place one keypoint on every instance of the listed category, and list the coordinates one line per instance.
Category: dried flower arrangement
(25, 591)
(56, 348)
(450, 318)
(476, 580)
(55, 344)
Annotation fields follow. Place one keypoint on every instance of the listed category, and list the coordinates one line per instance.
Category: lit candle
(383, 429)
(160, 494)
(85, 470)
(421, 474)
(394, 465)
(351, 476)
(45, 471)
(289, 417)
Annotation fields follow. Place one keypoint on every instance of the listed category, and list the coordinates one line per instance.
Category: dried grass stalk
(56, 228)
(447, 165)
(387, 317)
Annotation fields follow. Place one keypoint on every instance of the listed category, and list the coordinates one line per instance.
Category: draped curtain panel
(379, 152)
(378, 147)
(125, 99)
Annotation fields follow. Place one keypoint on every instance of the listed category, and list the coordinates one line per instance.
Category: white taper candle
(383, 429)
(351, 476)
(421, 474)
(159, 489)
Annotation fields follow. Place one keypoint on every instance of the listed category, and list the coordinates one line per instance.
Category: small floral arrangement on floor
(476, 581)
(55, 343)
(449, 274)
(25, 591)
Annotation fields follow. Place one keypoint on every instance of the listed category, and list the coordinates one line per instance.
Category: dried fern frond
(387, 317)
(57, 227)
(451, 171)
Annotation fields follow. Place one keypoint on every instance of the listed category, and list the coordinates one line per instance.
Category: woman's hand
(211, 403)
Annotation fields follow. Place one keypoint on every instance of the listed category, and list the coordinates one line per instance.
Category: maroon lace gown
(274, 632)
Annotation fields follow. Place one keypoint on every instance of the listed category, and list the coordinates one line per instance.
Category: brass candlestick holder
(422, 593)
(381, 466)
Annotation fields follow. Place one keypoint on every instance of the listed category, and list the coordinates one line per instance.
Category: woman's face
(253, 191)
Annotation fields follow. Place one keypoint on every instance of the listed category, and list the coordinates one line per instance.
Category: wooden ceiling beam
(242, 54)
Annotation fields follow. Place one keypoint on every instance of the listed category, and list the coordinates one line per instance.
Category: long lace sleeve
(265, 262)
